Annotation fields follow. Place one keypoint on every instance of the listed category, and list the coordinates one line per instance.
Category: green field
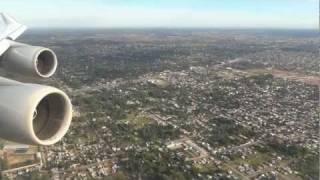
(136, 120)
(253, 160)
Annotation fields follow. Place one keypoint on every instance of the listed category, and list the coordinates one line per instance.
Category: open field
(292, 76)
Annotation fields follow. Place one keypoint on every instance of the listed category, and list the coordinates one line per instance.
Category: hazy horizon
(173, 28)
(242, 14)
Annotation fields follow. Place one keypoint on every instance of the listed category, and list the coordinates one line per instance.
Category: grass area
(226, 74)
(253, 160)
(288, 177)
(18, 160)
(137, 120)
(259, 71)
(291, 75)
(308, 167)
(204, 169)
(257, 159)
(161, 83)
(1, 143)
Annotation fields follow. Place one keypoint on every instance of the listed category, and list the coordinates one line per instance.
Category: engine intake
(49, 115)
(37, 115)
(46, 63)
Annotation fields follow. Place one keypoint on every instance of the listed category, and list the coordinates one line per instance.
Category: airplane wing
(12, 31)
(29, 113)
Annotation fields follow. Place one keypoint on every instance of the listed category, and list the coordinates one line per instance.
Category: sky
(297, 14)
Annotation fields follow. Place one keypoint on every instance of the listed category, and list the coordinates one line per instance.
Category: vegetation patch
(137, 120)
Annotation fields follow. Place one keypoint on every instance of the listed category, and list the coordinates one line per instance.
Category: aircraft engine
(32, 61)
(33, 114)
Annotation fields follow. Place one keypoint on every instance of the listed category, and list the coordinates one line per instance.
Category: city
(180, 104)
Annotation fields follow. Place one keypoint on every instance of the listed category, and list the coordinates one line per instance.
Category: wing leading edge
(12, 31)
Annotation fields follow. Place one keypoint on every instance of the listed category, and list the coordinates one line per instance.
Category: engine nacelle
(33, 61)
(33, 114)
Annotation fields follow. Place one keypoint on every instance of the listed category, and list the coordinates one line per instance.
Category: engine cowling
(33, 114)
(32, 61)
